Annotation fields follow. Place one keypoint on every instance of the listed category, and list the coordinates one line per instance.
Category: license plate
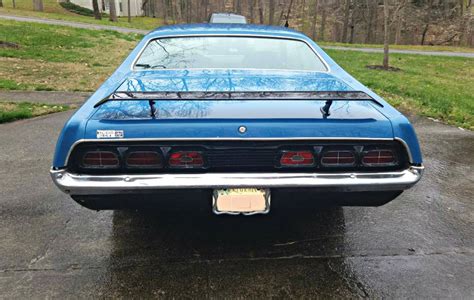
(247, 201)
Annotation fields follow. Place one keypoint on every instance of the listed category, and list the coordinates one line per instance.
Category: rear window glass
(229, 53)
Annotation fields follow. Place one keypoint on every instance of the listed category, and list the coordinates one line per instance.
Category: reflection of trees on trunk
(182, 109)
(140, 109)
(216, 82)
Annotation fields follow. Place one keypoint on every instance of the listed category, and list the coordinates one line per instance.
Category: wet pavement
(420, 245)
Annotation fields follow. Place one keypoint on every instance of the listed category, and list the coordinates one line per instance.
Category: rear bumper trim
(76, 184)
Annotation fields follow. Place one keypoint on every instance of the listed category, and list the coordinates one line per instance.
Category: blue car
(242, 116)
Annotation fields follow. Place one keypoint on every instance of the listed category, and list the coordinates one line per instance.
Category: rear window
(229, 53)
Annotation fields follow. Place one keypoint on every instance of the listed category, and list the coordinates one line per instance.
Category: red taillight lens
(377, 158)
(100, 159)
(144, 159)
(186, 159)
(338, 158)
(297, 158)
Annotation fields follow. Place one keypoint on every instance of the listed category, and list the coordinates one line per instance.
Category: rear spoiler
(327, 96)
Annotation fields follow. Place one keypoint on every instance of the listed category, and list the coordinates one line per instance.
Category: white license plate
(247, 201)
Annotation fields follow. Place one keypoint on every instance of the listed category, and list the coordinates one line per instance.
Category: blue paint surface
(211, 119)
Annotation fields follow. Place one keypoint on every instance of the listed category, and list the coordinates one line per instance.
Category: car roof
(225, 28)
(227, 18)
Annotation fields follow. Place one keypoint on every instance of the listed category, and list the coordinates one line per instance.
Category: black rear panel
(237, 156)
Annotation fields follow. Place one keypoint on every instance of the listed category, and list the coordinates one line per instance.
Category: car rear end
(262, 150)
(240, 115)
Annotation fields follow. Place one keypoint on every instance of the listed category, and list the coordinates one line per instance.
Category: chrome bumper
(74, 184)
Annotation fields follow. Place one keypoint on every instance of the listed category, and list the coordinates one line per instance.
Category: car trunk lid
(222, 118)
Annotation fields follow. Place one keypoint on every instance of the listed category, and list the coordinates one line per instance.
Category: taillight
(378, 158)
(144, 159)
(100, 159)
(186, 159)
(338, 158)
(297, 159)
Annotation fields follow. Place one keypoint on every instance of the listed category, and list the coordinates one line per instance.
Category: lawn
(402, 47)
(70, 59)
(435, 86)
(10, 111)
(59, 58)
(52, 10)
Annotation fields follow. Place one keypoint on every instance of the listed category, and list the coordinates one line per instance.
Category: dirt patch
(380, 67)
(5, 44)
(7, 107)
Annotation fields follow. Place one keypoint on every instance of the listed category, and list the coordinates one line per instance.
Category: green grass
(52, 10)
(434, 86)
(59, 57)
(401, 47)
(56, 43)
(10, 111)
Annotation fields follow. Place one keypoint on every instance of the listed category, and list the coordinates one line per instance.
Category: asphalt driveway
(420, 245)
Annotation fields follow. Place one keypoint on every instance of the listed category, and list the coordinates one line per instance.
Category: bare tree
(164, 8)
(205, 8)
(322, 27)
(261, 12)
(347, 8)
(238, 6)
(315, 19)
(38, 5)
(112, 11)
(271, 12)
(288, 14)
(95, 7)
(252, 5)
(386, 35)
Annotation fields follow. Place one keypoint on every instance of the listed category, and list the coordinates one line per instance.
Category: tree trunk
(345, 26)
(288, 14)
(1, 3)
(38, 5)
(95, 6)
(238, 6)
(129, 12)
(271, 13)
(204, 7)
(386, 35)
(322, 28)
(315, 19)
(14, 3)
(164, 7)
(261, 12)
(370, 20)
(186, 10)
(172, 10)
(423, 35)
(252, 5)
(112, 11)
(178, 12)
(398, 32)
(352, 26)
(351, 35)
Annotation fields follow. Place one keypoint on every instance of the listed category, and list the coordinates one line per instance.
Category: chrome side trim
(328, 69)
(76, 184)
(224, 139)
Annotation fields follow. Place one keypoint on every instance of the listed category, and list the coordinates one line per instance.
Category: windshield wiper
(148, 66)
